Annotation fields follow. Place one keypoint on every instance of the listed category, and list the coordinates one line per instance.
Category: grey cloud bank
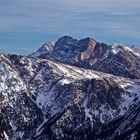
(25, 25)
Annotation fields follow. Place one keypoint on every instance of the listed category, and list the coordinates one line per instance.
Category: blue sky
(26, 24)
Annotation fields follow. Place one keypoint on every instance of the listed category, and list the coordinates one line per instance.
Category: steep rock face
(123, 62)
(93, 49)
(43, 99)
(116, 59)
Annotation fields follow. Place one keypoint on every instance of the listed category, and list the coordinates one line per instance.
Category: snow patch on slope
(73, 72)
(116, 48)
(131, 95)
(46, 48)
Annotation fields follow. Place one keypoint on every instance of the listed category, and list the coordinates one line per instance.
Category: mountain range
(71, 90)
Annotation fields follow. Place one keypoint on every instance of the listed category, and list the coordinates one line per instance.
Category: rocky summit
(87, 53)
(71, 90)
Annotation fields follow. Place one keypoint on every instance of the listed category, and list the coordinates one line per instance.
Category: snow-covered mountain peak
(88, 53)
(116, 48)
(45, 49)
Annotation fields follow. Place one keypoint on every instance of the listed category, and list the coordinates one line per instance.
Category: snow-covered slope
(43, 99)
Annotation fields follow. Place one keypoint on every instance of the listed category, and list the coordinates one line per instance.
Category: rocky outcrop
(42, 99)
(116, 59)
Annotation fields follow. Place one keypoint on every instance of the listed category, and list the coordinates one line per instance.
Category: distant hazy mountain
(71, 90)
(136, 48)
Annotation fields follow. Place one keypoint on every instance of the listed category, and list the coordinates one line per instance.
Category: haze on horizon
(26, 25)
